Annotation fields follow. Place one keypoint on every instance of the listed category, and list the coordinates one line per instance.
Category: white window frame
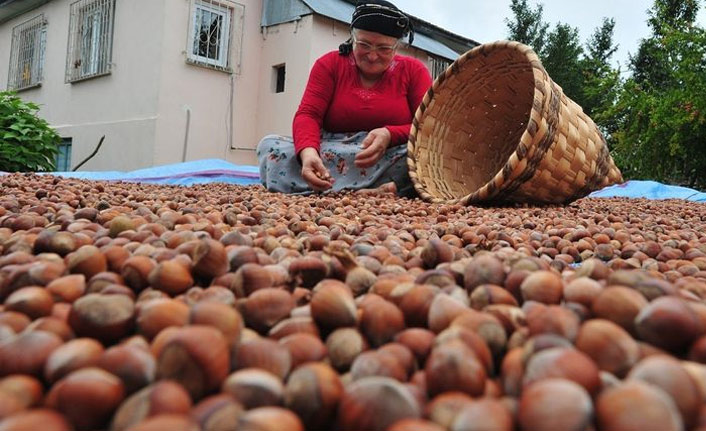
(29, 40)
(90, 46)
(229, 38)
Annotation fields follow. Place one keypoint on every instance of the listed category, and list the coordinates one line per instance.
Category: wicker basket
(495, 127)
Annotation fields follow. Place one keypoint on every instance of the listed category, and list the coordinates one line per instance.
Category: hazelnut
(343, 346)
(71, 356)
(313, 392)
(418, 340)
(620, 305)
(34, 419)
(134, 365)
(609, 345)
(332, 306)
(163, 397)
(248, 278)
(485, 413)
(564, 363)
(33, 301)
(294, 325)
(67, 288)
(542, 286)
(217, 413)
(636, 406)
(668, 323)
(375, 403)
(553, 404)
(24, 390)
(375, 363)
(136, 270)
(265, 354)
(87, 260)
(265, 307)
(452, 366)
(269, 419)
(171, 277)
(254, 387)
(484, 269)
(381, 321)
(154, 315)
(168, 421)
(27, 353)
(443, 310)
(304, 348)
(88, 397)
(221, 316)
(415, 424)
(444, 408)
(195, 356)
(107, 318)
(669, 375)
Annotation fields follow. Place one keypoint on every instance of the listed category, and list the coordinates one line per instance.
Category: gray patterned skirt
(280, 170)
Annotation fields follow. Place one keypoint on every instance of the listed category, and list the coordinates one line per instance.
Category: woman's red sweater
(336, 101)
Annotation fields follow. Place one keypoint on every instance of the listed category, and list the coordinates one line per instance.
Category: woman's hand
(313, 170)
(374, 146)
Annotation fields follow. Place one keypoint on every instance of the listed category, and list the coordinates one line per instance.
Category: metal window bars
(27, 54)
(212, 25)
(90, 47)
(438, 66)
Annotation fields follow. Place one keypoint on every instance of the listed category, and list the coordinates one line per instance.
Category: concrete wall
(202, 96)
(122, 105)
(153, 96)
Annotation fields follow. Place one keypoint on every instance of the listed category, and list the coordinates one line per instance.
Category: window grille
(29, 41)
(90, 48)
(63, 157)
(438, 66)
(215, 33)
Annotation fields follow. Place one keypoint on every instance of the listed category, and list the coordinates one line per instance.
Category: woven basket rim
(493, 186)
(557, 154)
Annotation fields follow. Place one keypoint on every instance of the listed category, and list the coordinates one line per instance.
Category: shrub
(27, 142)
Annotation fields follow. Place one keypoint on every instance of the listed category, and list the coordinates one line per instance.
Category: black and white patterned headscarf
(379, 16)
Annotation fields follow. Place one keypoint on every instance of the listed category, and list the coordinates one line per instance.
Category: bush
(27, 143)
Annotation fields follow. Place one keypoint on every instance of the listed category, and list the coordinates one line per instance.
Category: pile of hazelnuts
(220, 307)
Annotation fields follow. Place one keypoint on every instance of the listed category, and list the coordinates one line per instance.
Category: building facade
(167, 81)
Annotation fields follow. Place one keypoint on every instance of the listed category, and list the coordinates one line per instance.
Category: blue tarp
(183, 174)
(649, 190)
(216, 170)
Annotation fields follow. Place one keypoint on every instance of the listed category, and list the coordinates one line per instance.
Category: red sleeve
(419, 82)
(306, 127)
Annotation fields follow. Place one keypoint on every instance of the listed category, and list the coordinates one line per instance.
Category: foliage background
(27, 143)
(653, 115)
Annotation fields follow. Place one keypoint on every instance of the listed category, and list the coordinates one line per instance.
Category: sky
(484, 20)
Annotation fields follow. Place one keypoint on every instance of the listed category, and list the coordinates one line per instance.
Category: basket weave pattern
(495, 127)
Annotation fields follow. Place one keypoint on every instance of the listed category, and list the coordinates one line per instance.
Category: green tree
(660, 116)
(600, 80)
(27, 143)
(527, 25)
(562, 60)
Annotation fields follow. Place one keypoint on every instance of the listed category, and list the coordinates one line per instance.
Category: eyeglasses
(366, 48)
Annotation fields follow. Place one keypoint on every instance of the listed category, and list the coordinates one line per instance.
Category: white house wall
(152, 97)
(122, 105)
(201, 96)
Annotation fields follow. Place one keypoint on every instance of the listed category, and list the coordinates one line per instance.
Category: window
(211, 34)
(90, 39)
(438, 66)
(63, 158)
(29, 41)
(278, 74)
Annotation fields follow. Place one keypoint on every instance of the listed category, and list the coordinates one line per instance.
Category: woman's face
(373, 52)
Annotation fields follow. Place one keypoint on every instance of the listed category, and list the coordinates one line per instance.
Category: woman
(353, 122)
